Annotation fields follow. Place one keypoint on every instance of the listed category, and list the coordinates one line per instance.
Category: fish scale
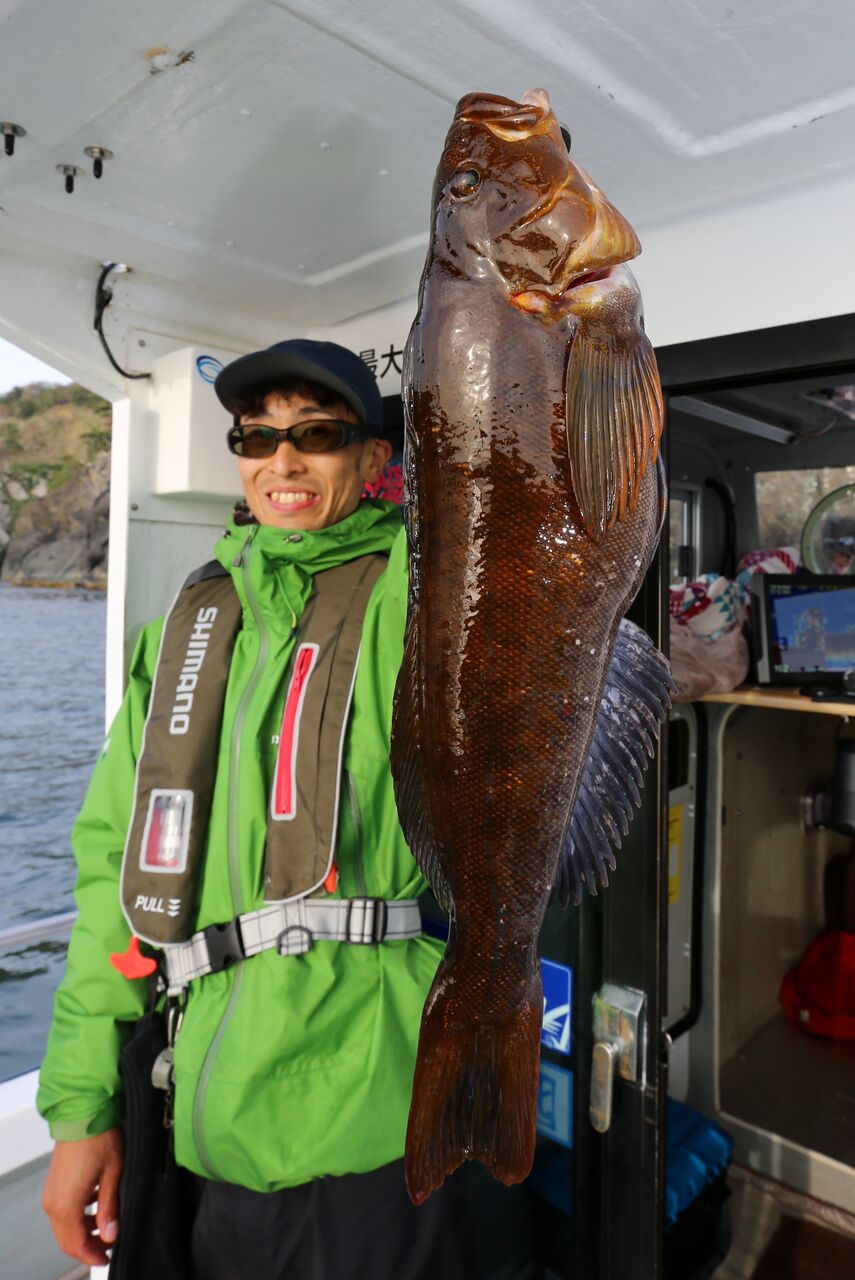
(532, 513)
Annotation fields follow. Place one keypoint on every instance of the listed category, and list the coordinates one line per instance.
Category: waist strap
(290, 928)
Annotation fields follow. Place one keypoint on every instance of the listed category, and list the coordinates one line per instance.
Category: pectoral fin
(635, 702)
(614, 420)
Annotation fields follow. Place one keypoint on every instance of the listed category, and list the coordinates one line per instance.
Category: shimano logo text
(189, 675)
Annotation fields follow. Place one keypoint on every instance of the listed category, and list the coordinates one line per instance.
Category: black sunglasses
(318, 435)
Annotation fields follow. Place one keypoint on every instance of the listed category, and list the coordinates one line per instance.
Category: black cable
(725, 497)
(696, 953)
(103, 298)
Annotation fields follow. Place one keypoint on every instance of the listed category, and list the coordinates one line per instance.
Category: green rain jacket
(287, 1068)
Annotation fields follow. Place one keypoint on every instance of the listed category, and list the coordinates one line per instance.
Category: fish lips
(608, 241)
(611, 242)
(554, 305)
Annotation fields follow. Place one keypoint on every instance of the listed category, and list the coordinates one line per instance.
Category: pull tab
(132, 963)
(618, 1048)
(331, 882)
(163, 1068)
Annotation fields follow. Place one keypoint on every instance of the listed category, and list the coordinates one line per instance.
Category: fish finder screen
(811, 628)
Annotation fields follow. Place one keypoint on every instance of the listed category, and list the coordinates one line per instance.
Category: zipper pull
(305, 662)
(240, 558)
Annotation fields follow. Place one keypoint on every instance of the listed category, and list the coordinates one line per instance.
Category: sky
(17, 369)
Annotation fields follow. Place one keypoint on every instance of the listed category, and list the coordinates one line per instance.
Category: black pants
(359, 1227)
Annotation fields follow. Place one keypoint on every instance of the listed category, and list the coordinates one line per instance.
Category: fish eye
(464, 183)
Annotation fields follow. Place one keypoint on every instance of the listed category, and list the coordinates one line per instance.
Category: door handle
(602, 1084)
(619, 1032)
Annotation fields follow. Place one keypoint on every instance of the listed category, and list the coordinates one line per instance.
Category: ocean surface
(51, 728)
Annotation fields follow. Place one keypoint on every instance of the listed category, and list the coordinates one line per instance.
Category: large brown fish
(534, 502)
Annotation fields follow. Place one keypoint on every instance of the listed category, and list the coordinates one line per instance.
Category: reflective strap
(290, 927)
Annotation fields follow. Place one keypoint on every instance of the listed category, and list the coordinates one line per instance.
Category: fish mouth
(560, 299)
(609, 243)
(576, 282)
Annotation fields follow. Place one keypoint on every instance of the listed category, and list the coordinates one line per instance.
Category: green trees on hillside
(26, 402)
(11, 438)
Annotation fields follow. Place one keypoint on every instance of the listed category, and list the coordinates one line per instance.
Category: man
(293, 1063)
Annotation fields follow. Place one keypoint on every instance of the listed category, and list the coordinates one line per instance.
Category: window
(684, 508)
(785, 499)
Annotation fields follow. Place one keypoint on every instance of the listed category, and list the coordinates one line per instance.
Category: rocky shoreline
(54, 487)
(57, 538)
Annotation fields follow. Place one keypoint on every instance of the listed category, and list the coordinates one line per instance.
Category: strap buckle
(225, 945)
(379, 921)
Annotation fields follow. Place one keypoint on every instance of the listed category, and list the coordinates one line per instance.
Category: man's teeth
(289, 498)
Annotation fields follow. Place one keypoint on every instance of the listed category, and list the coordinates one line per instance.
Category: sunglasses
(318, 435)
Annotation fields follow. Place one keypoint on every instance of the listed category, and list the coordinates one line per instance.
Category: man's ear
(375, 456)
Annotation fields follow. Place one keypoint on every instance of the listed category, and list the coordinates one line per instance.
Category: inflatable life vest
(164, 852)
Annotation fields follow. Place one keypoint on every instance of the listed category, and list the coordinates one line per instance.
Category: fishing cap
(326, 363)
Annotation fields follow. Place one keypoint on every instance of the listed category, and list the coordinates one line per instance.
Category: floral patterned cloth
(710, 606)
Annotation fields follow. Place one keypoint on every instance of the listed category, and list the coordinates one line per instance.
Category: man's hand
(79, 1173)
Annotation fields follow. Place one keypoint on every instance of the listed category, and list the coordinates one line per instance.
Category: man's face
(306, 491)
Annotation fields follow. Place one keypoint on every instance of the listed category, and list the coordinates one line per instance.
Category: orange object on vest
(331, 882)
(132, 963)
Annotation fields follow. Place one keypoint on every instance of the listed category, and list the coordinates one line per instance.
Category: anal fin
(636, 699)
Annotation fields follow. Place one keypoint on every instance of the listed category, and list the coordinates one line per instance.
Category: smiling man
(335, 450)
(252, 843)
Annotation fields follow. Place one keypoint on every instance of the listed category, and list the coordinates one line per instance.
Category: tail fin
(474, 1093)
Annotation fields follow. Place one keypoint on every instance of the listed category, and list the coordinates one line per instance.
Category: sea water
(51, 728)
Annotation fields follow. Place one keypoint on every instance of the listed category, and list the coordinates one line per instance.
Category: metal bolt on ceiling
(71, 172)
(98, 155)
(11, 132)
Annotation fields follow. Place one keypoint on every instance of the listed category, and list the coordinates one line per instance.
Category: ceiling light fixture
(733, 418)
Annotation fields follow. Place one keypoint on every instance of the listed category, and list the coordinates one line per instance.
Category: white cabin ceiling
(286, 169)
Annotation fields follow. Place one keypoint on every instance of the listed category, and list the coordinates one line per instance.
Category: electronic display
(805, 629)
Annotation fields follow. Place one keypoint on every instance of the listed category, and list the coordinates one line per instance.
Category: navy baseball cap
(327, 363)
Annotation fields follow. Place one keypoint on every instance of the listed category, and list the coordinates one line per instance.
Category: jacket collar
(278, 562)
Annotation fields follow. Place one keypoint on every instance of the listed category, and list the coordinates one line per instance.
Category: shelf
(794, 1085)
(750, 695)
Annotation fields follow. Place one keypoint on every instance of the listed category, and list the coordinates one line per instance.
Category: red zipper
(284, 789)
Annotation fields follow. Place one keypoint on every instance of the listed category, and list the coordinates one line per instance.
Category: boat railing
(19, 935)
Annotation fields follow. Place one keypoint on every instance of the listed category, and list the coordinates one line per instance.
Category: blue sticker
(557, 1005)
(208, 367)
(555, 1103)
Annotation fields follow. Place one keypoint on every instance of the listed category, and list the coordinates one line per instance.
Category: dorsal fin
(635, 701)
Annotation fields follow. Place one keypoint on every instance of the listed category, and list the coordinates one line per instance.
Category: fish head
(512, 206)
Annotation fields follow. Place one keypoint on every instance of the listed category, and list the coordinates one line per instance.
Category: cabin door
(598, 1182)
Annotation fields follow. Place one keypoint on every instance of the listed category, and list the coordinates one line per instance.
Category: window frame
(691, 495)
